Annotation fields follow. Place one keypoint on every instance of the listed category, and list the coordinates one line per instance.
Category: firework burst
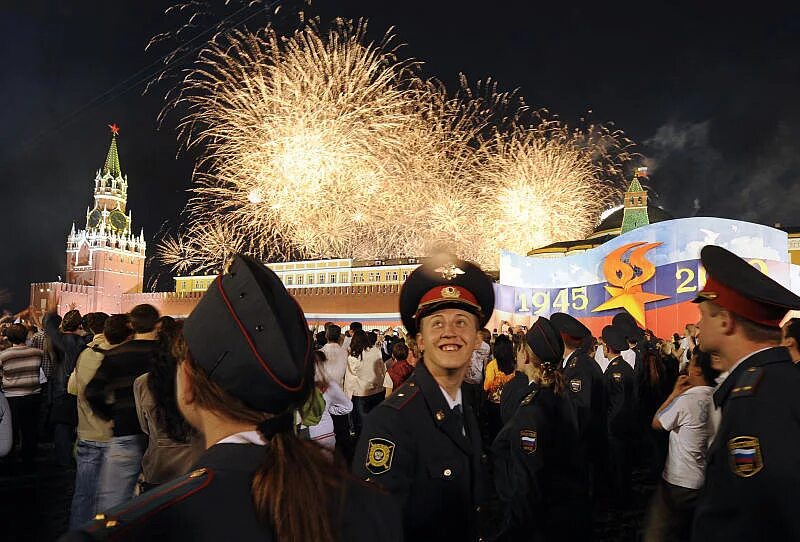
(323, 144)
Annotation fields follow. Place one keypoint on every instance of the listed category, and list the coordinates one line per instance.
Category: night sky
(709, 93)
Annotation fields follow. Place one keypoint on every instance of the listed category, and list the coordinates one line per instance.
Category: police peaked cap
(445, 283)
(627, 325)
(615, 338)
(736, 285)
(545, 341)
(251, 337)
(569, 325)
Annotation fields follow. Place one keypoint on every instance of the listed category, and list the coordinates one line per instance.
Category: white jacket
(365, 374)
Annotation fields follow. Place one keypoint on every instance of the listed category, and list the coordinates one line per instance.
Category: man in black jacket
(423, 444)
(110, 394)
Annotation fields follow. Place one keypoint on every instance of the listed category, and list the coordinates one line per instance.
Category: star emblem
(114, 129)
(449, 272)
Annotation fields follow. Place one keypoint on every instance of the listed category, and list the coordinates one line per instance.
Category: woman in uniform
(539, 473)
(246, 369)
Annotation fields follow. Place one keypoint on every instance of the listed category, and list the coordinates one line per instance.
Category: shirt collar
(451, 402)
(245, 437)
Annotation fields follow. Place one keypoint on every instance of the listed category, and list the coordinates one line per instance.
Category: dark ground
(35, 507)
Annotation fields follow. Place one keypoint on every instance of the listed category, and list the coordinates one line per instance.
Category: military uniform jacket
(620, 385)
(412, 445)
(213, 503)
(514, 391)
(752, 486)
(539, 469)
(586, 391)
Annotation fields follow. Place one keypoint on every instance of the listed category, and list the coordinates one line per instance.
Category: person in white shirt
(335, 355)
(363, 380)
(688, 343)
(686, 415)
(336, 404)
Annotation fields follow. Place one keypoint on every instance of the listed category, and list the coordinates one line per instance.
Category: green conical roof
(635, 186)
(112, 160)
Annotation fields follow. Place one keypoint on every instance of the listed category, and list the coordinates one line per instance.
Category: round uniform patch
(617, 377)
(575, 385)
(379, 455)
(745, 456)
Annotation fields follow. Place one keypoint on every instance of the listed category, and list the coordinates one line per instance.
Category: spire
(112, 160)
(635, 213)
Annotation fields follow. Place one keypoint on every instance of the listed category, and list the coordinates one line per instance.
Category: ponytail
(293, 487)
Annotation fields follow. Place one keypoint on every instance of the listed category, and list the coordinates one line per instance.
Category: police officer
(586, 389)
(540, 469)
(620, 385)
(423, 444)
(245, 369)
(753, 472)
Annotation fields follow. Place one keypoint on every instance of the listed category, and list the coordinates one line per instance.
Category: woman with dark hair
(498, 372)
(540, 471)
(244, 372)
(173, 446)
(655, 385)
(363, 381)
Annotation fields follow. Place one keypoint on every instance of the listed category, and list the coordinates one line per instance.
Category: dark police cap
(445, 283)
(569, 325)
(251, 337)
(736, 285)
(628, 325)
(615, 338)
(545, 341)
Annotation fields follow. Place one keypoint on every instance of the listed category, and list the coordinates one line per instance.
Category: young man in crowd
(423, 444)
(21, 366)
(114, 379)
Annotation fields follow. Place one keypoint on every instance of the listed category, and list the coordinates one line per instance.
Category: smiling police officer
(423, 443)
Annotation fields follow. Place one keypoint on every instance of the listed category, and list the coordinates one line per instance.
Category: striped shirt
(39, 340)
(20, 366)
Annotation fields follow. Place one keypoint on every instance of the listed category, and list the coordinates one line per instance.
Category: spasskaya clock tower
(105, 253)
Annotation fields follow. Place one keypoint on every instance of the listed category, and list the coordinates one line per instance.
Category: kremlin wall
(639, 258)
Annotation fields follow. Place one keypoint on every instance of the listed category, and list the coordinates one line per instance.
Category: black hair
(358, 343)
(372, 338)
(16, 333)
(504, 354)
(319, 339)
(400, 351)
(95, 322)
(703, 360)
(161, 382)
(793, 330)
(117, 328)
(144, 318)
(333, 333)
(356, 326)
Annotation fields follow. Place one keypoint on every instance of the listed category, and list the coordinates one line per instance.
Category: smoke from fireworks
(323, 144)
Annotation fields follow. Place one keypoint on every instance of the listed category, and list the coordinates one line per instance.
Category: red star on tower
(114, 129)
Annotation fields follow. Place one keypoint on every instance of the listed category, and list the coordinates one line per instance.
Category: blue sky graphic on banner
(655, 266)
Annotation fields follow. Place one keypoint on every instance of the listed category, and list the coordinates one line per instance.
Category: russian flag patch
(745, 456)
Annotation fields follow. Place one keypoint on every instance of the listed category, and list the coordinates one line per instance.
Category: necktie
(458, 414)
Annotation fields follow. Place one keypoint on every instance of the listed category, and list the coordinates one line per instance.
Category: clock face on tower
(94, 218)
(118, 220)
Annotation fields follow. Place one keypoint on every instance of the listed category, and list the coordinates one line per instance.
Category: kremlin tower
(106, 254)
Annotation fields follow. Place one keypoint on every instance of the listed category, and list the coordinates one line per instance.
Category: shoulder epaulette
(747, 382)
(528, 398)
(106, 525)
(403, 395)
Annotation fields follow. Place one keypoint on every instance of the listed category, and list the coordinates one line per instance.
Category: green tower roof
(112, 160)
(635, 186)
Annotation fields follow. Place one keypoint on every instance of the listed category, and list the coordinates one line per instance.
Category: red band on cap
(252, 345)
(727, 298)
(447, 293)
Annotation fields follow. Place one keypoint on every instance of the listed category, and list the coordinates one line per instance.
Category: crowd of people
(242, 422)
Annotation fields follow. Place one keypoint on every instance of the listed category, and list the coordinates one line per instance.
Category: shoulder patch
(401, 397)
(745, 456)
(575, 385)
(528, 441)
(747, 382)
(151, 502)
(617, 377)
(379, 455)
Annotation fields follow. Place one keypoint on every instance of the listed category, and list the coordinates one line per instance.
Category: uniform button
(439, 415)
(447, 472)
(401, 394)
(477, 508)
(484, 458)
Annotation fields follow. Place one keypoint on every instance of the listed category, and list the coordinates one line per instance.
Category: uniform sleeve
(385, 454)
(674, 415)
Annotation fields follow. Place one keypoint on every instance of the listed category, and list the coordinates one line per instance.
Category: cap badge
(745, 456)
(449, 272)
(379, 455)
(450, 293)
(709, 296)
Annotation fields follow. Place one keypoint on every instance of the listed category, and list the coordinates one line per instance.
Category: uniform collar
(440, 409)
(452, 403)
(758, 358)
